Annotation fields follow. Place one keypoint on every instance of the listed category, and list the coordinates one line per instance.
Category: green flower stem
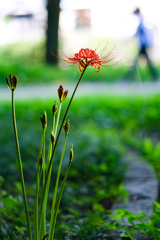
(50, 143)
(41, 167)
(41, 232)
(59, 200)
(64, 117)
(54, 130)
(53, 123)
(44, 164)
(53, 152)
(44, 169)
(20, 167)
(39, 171)
(57, 121)
(55, 191)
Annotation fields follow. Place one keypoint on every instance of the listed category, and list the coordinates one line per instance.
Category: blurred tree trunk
(52, 30)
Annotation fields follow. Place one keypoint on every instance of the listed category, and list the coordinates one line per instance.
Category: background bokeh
(81, 24)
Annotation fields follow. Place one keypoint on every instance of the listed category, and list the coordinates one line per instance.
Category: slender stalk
(39, 173)
(39, 170)
(50, 143)
(57, 121)
(54, 130)
(53, 152)
(64, 117)
(35, 223)
(44, 169)
(55, 191)
(59, 200)
(20, 167)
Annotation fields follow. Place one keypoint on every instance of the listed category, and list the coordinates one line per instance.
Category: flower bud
(62, 94)
(13, 82)
(54, 108)
(71, 153)
(66, 127)
(44, 120)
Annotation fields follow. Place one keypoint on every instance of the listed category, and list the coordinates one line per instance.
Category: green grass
(27, 62)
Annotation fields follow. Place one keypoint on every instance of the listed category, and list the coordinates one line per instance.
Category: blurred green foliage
(98, 167)
(138, 223)
(103, 131)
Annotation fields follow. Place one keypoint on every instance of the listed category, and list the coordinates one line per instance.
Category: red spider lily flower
(88, 57)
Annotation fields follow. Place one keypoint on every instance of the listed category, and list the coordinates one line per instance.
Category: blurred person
(144, 36)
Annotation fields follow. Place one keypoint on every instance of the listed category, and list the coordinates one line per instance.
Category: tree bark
(52, 30)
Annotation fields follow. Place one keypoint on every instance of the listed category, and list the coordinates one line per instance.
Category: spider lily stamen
(88, 57)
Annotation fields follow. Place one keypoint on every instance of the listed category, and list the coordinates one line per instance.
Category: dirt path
(49, 91)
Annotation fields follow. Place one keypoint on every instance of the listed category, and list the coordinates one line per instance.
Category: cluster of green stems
(44, 168)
